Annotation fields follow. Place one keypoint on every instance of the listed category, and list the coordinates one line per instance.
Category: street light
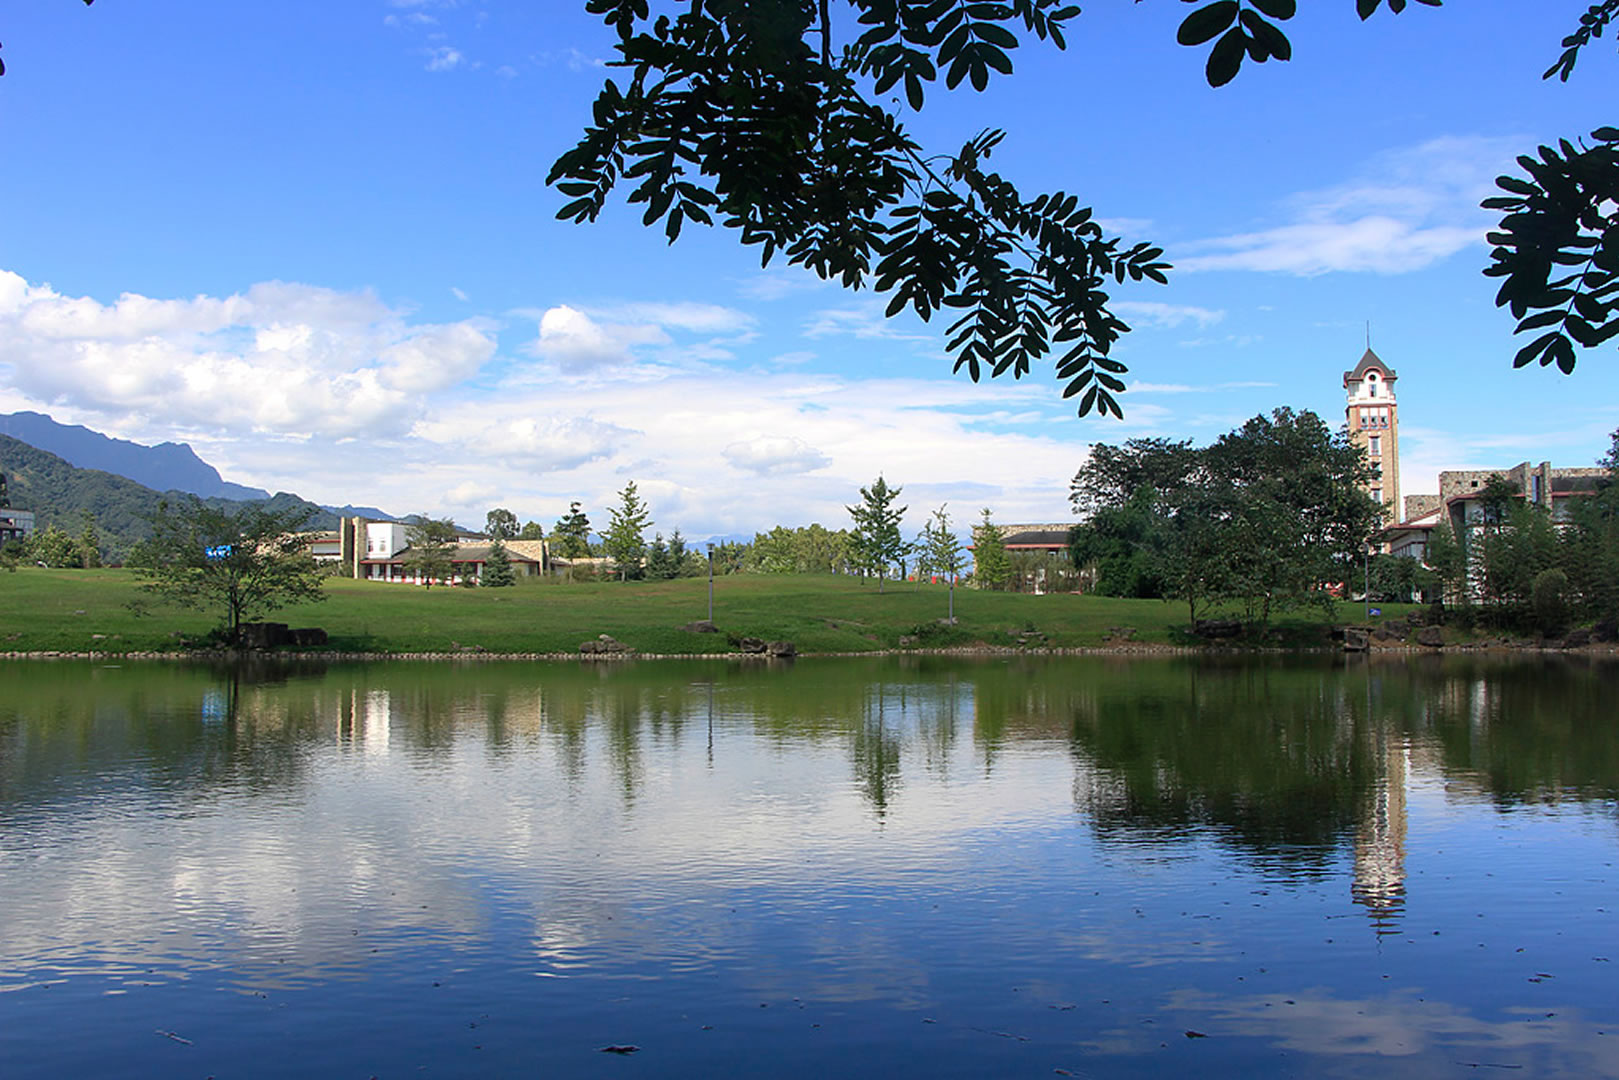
(711, 581)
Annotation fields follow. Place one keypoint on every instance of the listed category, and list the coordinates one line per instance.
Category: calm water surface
(939, 868)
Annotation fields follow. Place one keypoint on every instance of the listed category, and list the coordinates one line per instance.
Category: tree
(1268, 515)
(500, 524)
(624, 539)
(878, 542)
(991, 566)
(572, 533)
(532, 530)
(431, 550)
(242, 563)
(938, 547)
(659, 565)
(497, 567)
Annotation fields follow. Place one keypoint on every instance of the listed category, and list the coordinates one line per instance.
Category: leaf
(1226, 57)
(1207, 22)
(1277, 9)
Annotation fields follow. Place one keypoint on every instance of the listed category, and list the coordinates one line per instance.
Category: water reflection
(905, 835)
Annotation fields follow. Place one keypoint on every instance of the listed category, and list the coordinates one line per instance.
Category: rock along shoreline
(1121, 649)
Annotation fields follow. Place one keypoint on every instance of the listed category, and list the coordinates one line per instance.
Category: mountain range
(166, 467)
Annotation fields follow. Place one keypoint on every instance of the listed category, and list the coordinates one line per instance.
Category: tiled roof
(1371, 359)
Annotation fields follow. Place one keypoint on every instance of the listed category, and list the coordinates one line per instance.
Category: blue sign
(218, 551)
(1374, 611)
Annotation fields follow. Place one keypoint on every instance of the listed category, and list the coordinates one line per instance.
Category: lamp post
(711, 581)
(1368, 583)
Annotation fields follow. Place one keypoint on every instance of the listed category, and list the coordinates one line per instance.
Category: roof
(1036, 538)
(1370, 360)
(461, 553)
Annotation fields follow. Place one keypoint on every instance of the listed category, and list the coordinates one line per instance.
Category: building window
(1377, 495)
(1377, 445)
(1371, 388)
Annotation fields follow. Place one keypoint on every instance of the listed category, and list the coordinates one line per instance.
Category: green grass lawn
(66, 610)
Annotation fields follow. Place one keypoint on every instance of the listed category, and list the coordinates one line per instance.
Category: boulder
(604, 645)
(751, 644)
(308, 637)
(1356, 639)
(701, 626)
(907, 641)
(1387, 634)
(1218, 628)
(1120, 633)
(1431, 636)
(781, 649)
(265, 635)
(1577, 639)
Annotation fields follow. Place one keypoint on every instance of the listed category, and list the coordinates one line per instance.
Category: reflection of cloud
(1405, 1025)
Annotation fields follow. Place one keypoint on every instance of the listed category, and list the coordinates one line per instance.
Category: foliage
(876, 543)
(1266, 516)
(240, 563)
(1399, 579)
(572, 533)
(497, 567)
(660, 566)
(992, 569)
(624, 541)
(500, 524)
(532, 530)
(938, 550)
(746, 111)
(812, 549)
(1549, 598)
(432, 548)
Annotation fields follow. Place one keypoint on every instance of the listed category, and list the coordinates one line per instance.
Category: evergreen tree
(659, 565)
(624, 539)
(497, 568)
(89, 541)
(532, 530)
(572, 533)
(991, 567)
(678, 561)
(939, 549)
(878, 541)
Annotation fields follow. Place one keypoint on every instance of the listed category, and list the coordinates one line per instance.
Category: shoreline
(1144, 649)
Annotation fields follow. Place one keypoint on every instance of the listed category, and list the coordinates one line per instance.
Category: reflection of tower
(1379, 882)
(377, 721)
(1374, 424)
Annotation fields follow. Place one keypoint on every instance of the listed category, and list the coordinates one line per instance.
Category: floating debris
(625, 1049)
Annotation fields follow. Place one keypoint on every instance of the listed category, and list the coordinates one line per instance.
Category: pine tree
(626, 529)
(497, 568)
(572, 533)
(991, 566)
(659, 566)
(878, 542)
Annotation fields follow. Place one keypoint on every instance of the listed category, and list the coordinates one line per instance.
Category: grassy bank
(82, 610)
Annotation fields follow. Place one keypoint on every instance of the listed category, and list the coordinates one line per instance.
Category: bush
(1549, 598)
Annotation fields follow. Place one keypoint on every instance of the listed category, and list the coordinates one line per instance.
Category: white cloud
(775, 455)
(458, 294)
(579, 343)
(865, 321)
(292, 360)
(1141, 313)
(581, 340)
(1408, 210)
(444, 58)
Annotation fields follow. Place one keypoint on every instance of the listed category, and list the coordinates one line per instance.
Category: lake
(937, 867)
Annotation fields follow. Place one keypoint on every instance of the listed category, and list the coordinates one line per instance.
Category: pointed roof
(1370, 360)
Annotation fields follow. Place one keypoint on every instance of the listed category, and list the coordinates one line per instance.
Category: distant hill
(167, 466)
(58, 493)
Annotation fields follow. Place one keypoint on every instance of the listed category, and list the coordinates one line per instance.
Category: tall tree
(991, 566)
(241, 563)
(532, 530)
(625, 538)
(432, 549)
(659, 565)
(572, 533)
(939, 546)
(878, 542)
(497, 568)
(500, 524)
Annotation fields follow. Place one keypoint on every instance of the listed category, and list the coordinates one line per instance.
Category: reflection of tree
(1272, 758)
(876, 747)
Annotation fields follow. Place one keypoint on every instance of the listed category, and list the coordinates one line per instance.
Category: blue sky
(313, 240)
